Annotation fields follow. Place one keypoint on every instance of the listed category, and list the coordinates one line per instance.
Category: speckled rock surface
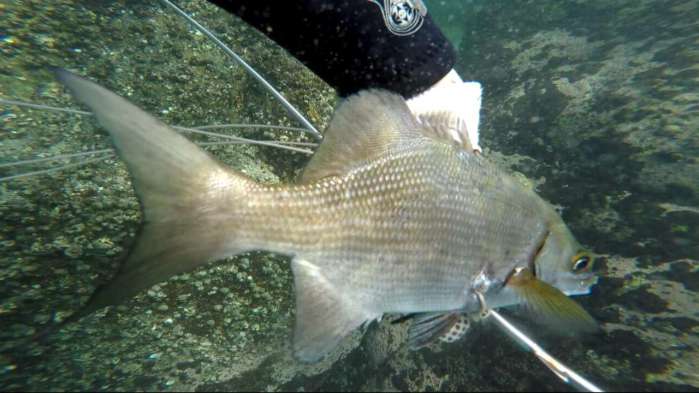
(594, 101)
(61, 234)
(601, 98)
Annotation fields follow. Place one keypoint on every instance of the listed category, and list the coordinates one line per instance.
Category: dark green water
(596, 101)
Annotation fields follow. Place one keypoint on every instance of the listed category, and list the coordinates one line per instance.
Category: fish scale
(390, 216)
(424, 224)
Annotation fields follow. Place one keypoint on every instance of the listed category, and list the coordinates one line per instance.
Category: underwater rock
(62, 233)
(605, 105)
(596, 101)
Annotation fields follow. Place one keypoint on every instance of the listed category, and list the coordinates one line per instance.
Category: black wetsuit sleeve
(348, 44)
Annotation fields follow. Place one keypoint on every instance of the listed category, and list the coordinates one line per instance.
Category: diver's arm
(352, 46)
(348, 43)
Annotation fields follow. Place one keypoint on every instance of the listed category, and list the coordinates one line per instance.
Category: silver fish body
(408, 232)
(389, 217)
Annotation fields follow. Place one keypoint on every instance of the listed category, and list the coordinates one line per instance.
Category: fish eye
(581, 261)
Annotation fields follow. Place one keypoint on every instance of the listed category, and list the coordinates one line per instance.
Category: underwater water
(595, 101)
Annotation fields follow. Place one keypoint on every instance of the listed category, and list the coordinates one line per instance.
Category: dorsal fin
(461, 100)
(446, 127)
(366, 125)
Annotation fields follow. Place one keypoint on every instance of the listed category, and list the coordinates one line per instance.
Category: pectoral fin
(558, 310)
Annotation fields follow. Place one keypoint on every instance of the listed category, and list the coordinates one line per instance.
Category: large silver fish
(390, 216)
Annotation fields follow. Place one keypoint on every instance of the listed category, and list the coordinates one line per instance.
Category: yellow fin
(559, 311)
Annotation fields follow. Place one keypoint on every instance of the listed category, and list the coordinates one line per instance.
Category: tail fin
(185, 195)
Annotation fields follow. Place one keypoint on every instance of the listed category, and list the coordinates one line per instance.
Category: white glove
(460, 99)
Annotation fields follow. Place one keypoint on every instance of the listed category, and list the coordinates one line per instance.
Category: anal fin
(323, 315)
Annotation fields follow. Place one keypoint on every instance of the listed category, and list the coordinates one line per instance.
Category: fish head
(562, 262)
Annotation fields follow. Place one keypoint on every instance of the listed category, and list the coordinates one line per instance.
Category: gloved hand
(460, 100)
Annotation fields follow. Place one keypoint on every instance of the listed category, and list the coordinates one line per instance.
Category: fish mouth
(584, 284)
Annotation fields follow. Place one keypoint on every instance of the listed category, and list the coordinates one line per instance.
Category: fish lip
(585, 283)
(579, 292)
(587, 276)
